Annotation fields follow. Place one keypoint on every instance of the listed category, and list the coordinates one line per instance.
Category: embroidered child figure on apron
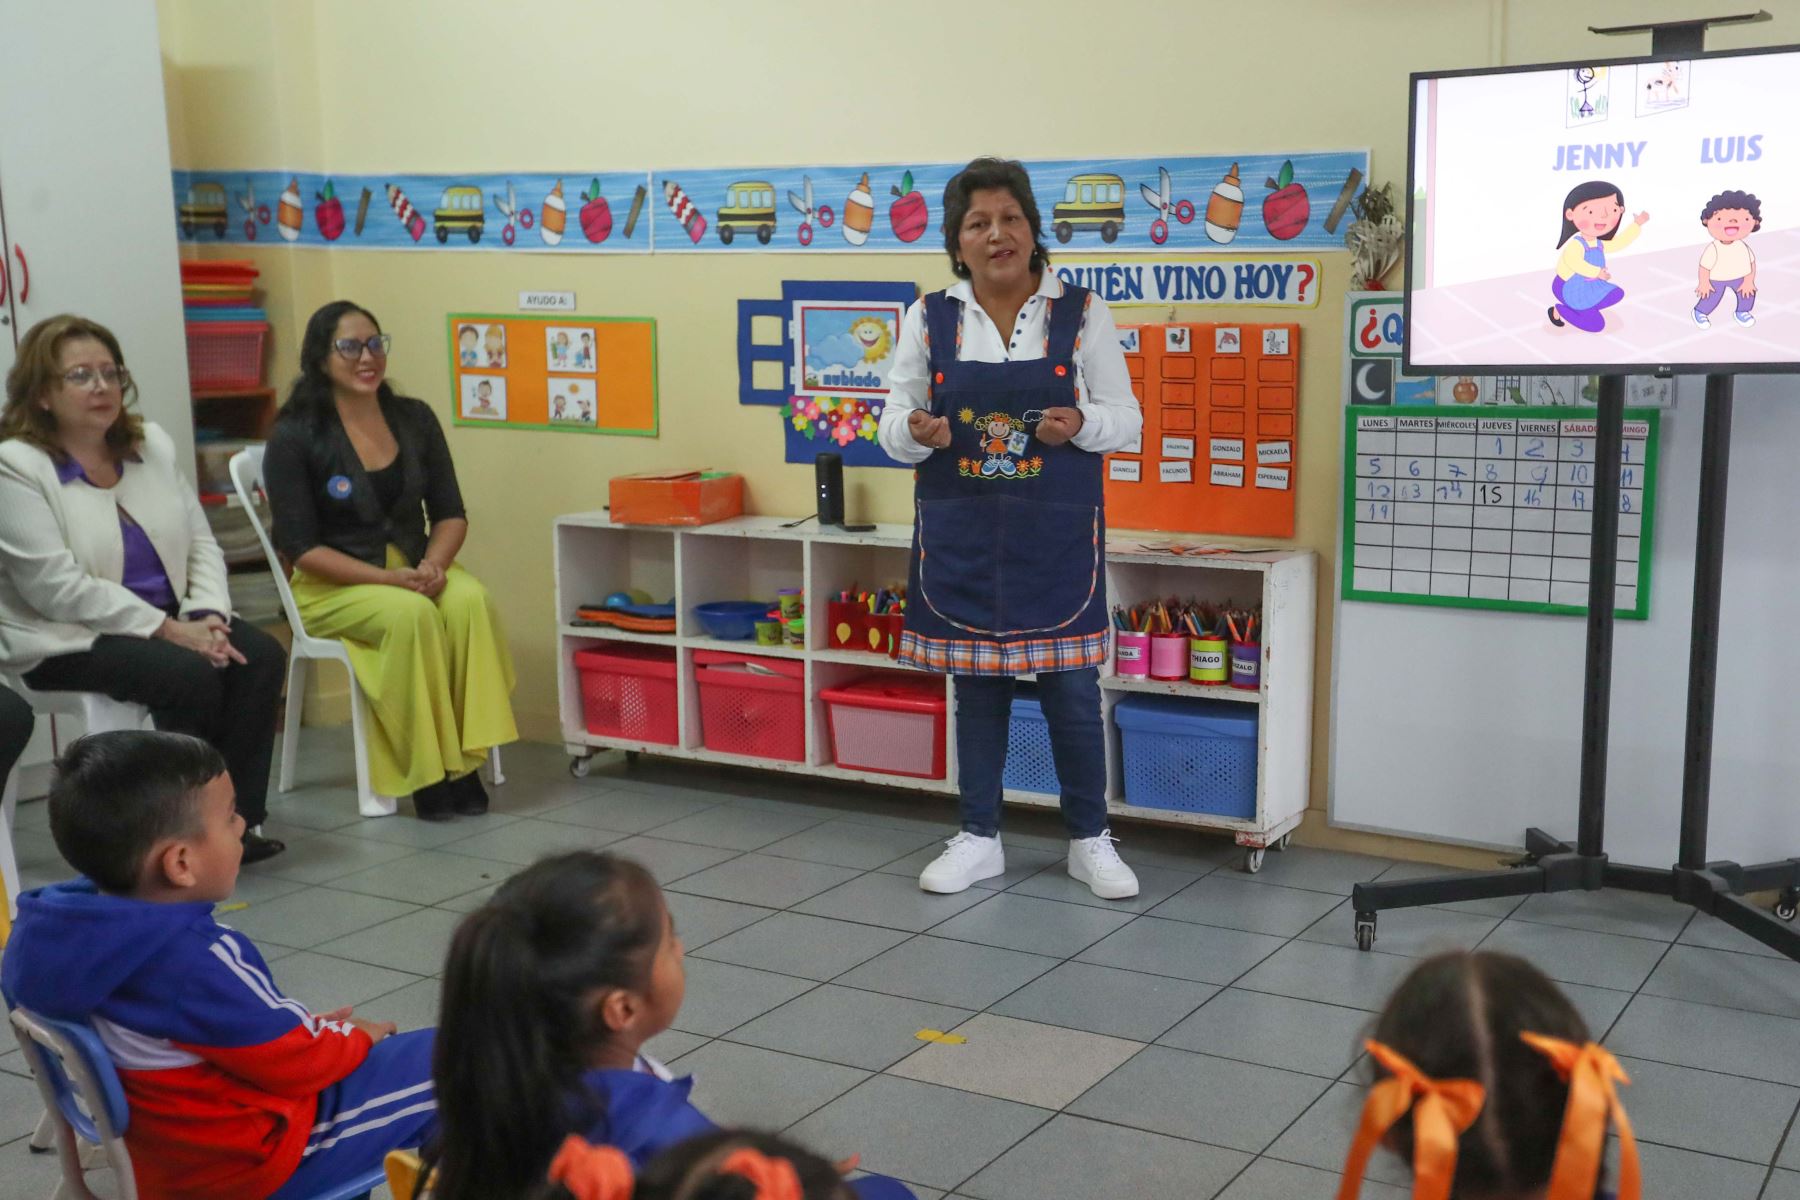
(1006, 437)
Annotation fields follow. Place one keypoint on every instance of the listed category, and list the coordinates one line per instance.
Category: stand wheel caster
(1253, 860)
(1365, 931)
(1788, 905)
(631, 757)
(1287, 839)
(579, 767)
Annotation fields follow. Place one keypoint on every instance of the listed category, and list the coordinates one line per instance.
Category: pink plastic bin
(889, 723)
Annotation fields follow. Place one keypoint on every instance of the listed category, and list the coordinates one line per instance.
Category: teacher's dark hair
(979, 175)
(1593, 189)
(310, 397)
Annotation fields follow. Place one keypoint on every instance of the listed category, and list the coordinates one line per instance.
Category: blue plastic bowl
(731, 619)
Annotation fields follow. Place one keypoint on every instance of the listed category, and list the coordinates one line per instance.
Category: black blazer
(320, 495)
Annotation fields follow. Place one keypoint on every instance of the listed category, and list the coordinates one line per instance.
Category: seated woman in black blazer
(354, 472)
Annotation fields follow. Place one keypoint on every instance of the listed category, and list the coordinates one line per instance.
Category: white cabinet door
(85, 184)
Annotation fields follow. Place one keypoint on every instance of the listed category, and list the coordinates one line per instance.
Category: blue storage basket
(1029, 764)
(1190, 755)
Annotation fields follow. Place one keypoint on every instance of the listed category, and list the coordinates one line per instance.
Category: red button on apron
(940, 377)
(1062, 370)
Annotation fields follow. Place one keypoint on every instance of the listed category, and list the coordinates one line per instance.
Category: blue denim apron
(1587, 291)
(1008, 562)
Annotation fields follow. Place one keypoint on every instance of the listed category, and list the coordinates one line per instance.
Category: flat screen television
(1624, 216)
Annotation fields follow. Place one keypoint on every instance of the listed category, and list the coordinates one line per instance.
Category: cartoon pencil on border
(409, 217)
(362, 210)
(637, 206)
(1343, 200)
(687, 213)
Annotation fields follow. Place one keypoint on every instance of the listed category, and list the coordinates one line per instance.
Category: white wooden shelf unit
(754, 557)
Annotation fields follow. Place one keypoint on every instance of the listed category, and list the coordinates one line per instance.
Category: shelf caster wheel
(1253, 860)
(1287, 839)
(1365, 931)
(579, 767)
(1788, 905)
(631, 757)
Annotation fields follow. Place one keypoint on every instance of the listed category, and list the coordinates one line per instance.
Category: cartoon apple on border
(596, 214)
(329, 214)
(909, 215)
(1286, 209)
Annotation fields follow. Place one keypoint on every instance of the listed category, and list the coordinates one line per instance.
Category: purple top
(144, 572)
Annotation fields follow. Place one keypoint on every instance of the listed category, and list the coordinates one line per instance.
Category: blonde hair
(38, 371)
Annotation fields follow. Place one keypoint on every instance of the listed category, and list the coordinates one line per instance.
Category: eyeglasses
(106, 377)
(352, 349)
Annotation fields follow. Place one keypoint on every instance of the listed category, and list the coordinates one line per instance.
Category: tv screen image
(1616, 216)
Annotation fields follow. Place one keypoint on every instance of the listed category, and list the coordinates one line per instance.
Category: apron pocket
(959, 565)
(1049, 564)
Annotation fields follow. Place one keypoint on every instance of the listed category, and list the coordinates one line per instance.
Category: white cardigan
(62, 555)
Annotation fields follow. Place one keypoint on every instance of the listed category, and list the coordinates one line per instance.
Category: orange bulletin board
(1220, 450)
(564, 372)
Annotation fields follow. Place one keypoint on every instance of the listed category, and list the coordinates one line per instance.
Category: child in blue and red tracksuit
(236, 1092)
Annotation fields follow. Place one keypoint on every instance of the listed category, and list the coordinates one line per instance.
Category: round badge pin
(338, 487)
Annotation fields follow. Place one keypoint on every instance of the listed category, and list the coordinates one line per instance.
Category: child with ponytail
(1491, 1088)
(716, 1166)
(551, 990)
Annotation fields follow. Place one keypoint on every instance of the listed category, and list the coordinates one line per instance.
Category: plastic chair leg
(495, 775)
(367, 801)
(290, 725)
(9, 863)
(43, 1139)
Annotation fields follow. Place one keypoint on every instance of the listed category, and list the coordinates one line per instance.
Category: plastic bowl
(733, 620)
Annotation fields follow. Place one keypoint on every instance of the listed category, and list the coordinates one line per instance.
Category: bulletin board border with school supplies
(1220, 450)
(562, 373)
(1491, 509)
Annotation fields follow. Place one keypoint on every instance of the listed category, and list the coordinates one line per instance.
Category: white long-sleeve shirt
(1110, 417)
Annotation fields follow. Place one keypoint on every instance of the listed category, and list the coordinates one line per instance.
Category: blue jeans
(1071, 701)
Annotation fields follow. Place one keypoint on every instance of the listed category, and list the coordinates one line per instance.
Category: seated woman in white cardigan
(110, 580)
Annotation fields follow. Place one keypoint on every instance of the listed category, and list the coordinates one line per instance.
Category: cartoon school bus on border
(749, 208)
(205, 206)
(460, 210)
(1091, 202)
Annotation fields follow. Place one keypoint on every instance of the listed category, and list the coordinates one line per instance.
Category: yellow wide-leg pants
(437, 674)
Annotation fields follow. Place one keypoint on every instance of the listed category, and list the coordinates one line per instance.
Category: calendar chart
(1495, 512)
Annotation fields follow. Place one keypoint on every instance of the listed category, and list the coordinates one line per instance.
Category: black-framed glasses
(352, 348)
(107, 376)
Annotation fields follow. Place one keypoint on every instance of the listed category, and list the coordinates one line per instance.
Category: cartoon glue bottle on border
(555, 216)
(290, 216)
(859, 213)
(1225, 208)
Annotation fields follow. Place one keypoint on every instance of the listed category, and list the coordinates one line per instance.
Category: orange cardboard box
(677, 498)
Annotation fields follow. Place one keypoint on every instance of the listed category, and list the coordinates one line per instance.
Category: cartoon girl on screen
(1593, 215)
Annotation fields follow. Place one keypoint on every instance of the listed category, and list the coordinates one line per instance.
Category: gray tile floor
(1200, 1041)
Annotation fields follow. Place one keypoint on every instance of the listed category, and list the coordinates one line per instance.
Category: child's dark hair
(690, 1171)
(1459, 1016)
(979, 175)
(1594, 189)
(1743, 200)
(518, 1026)
(118, 794)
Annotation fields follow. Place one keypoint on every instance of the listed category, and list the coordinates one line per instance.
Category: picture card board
(562, 372)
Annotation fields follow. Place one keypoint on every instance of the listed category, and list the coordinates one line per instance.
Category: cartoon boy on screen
(1593, 217)
(1730, 217)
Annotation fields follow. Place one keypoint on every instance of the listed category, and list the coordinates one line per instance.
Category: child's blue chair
(82, 1093)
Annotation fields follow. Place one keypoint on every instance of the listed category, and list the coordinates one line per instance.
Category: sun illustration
(966, 416)
(871, 333)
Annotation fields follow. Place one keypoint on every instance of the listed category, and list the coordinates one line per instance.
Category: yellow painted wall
(433, 85)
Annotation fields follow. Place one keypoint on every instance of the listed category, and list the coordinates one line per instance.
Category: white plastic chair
(247, 479)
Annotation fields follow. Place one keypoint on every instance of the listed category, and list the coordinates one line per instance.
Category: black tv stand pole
(1552, 865)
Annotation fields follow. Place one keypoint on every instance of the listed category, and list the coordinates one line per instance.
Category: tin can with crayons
(1131, 653)
(1206, 661)
(1246, 666)
(1169, 656)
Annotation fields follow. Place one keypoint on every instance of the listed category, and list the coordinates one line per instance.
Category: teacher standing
(1008, 389)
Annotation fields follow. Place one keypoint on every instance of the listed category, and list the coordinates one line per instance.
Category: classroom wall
(465, 85)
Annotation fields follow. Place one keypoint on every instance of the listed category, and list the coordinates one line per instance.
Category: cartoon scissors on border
(808, 213)
(253, 212)
(1181, 210)
(509, 208)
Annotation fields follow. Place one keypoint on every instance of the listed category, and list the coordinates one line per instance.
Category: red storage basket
(628, 692)
(225, 354)
(893, 724)
(754, 706)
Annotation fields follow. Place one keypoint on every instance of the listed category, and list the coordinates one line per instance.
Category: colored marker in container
(409, 217)
(687, 215)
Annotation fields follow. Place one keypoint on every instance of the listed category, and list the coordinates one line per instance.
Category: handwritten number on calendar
(1492, 472)
(1491, 493)
(1577, 449)
(1536, 449)
(1378, 512)
(1578, 473)
(1412, 468)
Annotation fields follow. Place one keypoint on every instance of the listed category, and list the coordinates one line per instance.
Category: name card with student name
(1125, 470)
(1178, 447)
(1224, 476)
(1177, 472)
(1272, 477)
(1232, 448)
(1274, 452)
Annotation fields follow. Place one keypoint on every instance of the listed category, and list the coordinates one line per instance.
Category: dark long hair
(1593, 189)
(979, 175)
(1459, 1016)
(519, 1025)
(309, 399)
(689, 1170)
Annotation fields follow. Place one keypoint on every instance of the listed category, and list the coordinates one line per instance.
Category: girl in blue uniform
(1593, 218)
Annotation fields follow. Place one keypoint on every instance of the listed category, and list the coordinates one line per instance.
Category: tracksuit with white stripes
(236, 1091)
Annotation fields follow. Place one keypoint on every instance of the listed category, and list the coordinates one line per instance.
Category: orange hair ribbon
(774, 1178)
(1590, 1072)
(1441, 1108)
(592, 1172)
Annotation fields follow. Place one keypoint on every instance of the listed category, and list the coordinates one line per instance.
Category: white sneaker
(1702, 320)
(1745, 319)
(1094, 862)
(967, 859)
